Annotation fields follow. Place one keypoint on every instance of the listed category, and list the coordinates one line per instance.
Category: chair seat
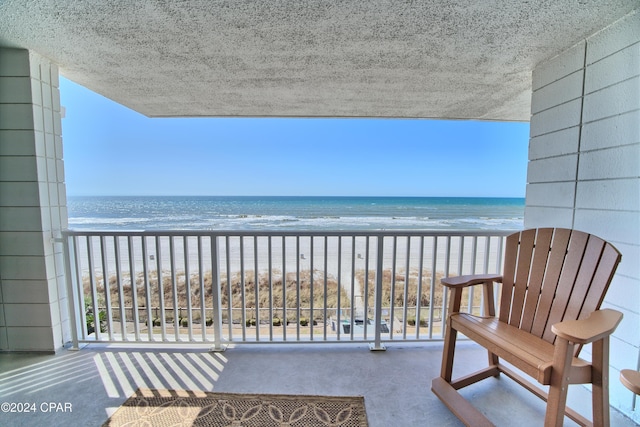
(526, 352)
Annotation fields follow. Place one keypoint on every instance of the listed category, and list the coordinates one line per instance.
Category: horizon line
(291, 195)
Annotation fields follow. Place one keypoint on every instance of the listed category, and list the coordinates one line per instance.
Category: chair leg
(490, 311)
(493, 360)
(450, 336)
(448, 353)
(559, 386)
(600, 380)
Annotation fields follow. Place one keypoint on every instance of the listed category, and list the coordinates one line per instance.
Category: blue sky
(112, 150)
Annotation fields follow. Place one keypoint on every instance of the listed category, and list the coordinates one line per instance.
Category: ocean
(294, 213)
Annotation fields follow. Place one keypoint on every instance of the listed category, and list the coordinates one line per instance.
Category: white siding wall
(32, 205)
(584, 165)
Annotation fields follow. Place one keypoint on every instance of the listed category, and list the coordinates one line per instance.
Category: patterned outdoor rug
(196, 408)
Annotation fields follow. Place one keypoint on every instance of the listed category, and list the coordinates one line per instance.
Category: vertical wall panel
(32, 207)
(603, 153)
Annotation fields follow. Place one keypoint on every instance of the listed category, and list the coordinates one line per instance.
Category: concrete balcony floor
(94, 381)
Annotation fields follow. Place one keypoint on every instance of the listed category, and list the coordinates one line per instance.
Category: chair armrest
(470, 280)
(631, 379)
(598, 325)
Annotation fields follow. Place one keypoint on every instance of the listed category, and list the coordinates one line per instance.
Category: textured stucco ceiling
(373, 58)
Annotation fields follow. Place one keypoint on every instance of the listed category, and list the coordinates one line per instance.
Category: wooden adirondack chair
(553, 283)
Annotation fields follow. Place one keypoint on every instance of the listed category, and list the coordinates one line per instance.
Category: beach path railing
(269, 287)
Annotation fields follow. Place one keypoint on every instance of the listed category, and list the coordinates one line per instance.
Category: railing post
(377, 344)
(72, 295)
(215, 293)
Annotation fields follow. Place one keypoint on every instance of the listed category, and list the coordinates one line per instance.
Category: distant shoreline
(200, 196)
(294, 213)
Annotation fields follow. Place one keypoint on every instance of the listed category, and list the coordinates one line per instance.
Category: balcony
(356, 291)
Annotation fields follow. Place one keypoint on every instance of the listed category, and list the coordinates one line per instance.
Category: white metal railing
(223, 287)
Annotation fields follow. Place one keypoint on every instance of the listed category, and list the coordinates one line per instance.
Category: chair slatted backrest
(554, 274)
